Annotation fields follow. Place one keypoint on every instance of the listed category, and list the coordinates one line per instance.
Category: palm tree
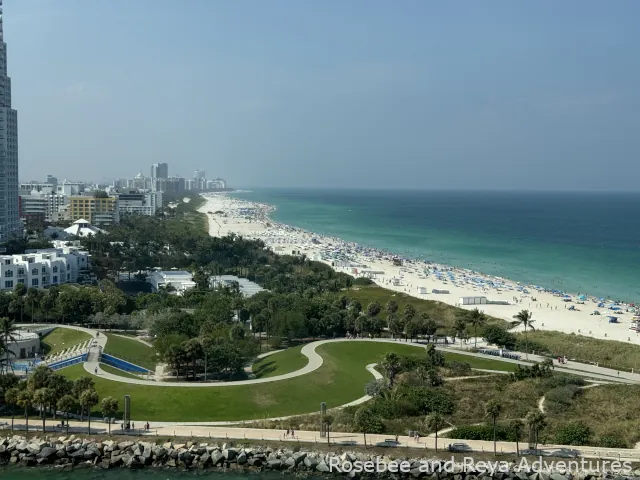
(89, 398)
(66, 404)
(524, 318)
(25, 399)
(391, 364)
(516, 425)
(109, 407)
(536, 421)
(435, 422)
(40, 399)
(8, 329)
(477, 319)
(492, 410)
(11, 398)
(459, 328)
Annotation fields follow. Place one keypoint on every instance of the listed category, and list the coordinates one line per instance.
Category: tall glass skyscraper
(10, 224)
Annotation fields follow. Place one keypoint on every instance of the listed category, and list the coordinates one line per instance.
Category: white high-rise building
(10, 224)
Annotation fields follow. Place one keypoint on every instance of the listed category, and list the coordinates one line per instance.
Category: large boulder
(47, 453)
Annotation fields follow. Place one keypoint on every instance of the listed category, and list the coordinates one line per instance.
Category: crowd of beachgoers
(551, 309)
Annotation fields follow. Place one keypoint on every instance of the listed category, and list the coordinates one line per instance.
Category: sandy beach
(552, 310)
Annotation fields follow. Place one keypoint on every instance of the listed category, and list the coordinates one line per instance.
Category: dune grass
(606, 353)
(444, 315)
(611, 411)
(60, 338)
(131, 350)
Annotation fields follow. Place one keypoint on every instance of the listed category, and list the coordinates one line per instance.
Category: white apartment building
(139, 203)
(10, 224)
(46, 204)
(42, 268)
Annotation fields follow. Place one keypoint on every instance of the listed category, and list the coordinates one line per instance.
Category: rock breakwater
(107, 454)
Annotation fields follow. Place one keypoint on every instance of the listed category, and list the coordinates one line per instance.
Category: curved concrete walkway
(315, 362)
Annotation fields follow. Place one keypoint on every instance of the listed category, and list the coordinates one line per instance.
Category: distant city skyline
(535, 95)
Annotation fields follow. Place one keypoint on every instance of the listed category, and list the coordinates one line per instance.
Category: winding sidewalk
(316, 361)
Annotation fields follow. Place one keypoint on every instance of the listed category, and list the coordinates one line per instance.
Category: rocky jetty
(73, 451)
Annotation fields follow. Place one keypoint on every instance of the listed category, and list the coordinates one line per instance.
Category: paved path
(315, 362)
(344, 439)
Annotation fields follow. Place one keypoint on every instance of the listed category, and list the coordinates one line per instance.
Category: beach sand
(550, 310)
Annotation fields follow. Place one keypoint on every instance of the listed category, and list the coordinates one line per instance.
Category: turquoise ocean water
(576, 242)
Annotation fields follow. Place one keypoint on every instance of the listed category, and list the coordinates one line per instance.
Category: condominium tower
(10, 224)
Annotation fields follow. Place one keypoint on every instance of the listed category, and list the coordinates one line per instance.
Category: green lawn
(60, 338)
(117, 371)
(280, 363)
(131, 350)
(340, 380)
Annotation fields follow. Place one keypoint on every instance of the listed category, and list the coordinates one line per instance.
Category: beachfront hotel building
(10, 225)
(43, 268)
(96, 210)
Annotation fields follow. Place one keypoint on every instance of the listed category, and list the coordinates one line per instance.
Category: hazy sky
(364, 93)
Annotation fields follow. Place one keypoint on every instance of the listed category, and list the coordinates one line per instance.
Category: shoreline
(552, 309)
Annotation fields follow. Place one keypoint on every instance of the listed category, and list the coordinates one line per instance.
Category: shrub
(499, 336)
(533, 346)
(574, 433)
(362, 281)
(611, 441)
(562, 395)
(562, 380)
(426, 400)
(459, 368)
(483, 432)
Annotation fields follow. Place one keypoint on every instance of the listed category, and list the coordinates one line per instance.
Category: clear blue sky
(540, 94)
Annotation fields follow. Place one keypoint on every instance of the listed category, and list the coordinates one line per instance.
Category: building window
(55, 279)
(21, 271)
(68, 266)
(55, 269)
(8, 284)
(42, 270)
(44, 280)
(34, 282)
(8, 273)
(7, 262)
(34, 271)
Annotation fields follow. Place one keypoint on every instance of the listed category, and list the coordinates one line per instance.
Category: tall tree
(41, 399)
(435, 422)
(477, 319)
(11, 398)
(492, 410)
(391, 365)
(536, 421)
(391, 307)
(516, 425)
(25, 400)
(66, 404)
(459, 328)
(109, 407)
(89, 398)
(524, 318)
(8, 330)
